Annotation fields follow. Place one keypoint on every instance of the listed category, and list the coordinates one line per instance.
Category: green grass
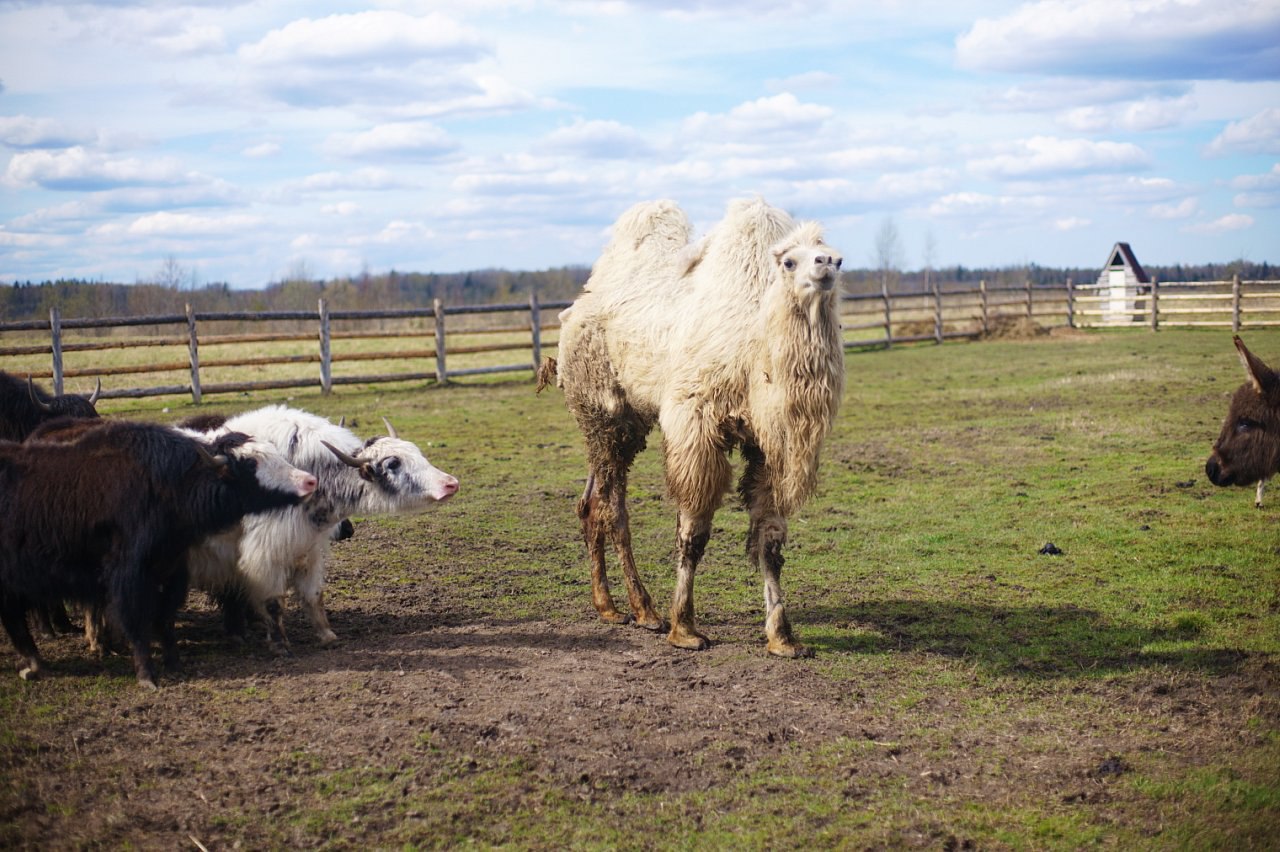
(916, 576)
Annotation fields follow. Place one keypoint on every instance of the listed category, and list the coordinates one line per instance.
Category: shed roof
(1122, 255)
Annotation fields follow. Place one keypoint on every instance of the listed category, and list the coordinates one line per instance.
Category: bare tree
(888, 251)
(930, 256)
(173, 275)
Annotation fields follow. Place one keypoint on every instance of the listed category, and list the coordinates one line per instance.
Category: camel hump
(660, 225)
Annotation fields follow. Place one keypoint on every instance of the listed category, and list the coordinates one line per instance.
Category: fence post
(1030, 313)
(442, 376)
(888, 315)
(1235, 304)
(1071, 303)
(1155, 304)
(535, 325)
(193, 354)
(937, 313)
(55, 334)
(982, 295)
(326, 357)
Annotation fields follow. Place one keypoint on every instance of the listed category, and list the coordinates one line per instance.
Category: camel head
(806, 263)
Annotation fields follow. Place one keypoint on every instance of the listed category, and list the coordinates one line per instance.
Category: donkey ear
(1262, 377)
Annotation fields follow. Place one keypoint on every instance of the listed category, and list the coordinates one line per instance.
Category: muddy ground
(375, 742)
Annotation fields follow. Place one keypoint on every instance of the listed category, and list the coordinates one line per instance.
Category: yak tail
(546, 374)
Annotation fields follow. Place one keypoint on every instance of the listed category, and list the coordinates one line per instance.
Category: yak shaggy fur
(730, 342)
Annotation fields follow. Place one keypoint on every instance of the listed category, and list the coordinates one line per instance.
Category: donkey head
(1248, 449)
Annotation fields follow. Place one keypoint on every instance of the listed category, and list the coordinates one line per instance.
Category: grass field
(967, 691)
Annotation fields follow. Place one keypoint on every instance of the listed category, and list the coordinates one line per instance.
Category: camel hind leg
(611, 447)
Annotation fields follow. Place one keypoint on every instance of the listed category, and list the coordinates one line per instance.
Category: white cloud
(1257, 134)
(803, 82)
(166, 224)
(1230, 222)
(1173, 39)
(597, 140)
(1183, 209)
(77, 169)
(24, 131)
(966, 204)
(1066, 93)
(759, 121)
(261, 150)
(361, 179)
(1071, 223)
(342, 208)
(1258, 190)
(192, 40)
(1042, 156)
(405, 141)
(1144, 115)
(372, 38)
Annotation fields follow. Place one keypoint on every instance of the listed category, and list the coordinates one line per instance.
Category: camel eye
(788, 264)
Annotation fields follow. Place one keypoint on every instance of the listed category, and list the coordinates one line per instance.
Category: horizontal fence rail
(217, 352)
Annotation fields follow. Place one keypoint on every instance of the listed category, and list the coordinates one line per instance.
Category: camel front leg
(770, 535)
(692, 533)
(766, 535)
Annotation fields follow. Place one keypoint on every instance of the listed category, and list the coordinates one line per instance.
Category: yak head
(66, 405)
(1248, 449)
(403, 478)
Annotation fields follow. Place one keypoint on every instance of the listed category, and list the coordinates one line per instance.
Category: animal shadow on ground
(374, 641)
(1032, 641)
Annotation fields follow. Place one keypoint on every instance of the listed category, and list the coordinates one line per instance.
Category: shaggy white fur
(733, 341)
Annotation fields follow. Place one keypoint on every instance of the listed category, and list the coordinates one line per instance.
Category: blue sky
(252, 142)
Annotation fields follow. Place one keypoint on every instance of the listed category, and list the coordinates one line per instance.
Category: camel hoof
(651, 623)
(789, 650)
(689, 641)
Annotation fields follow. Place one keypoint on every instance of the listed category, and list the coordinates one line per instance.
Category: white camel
(731, 342)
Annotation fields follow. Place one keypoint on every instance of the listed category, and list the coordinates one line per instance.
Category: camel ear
(1262, 377)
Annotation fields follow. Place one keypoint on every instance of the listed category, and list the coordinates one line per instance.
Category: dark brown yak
(1248, 450)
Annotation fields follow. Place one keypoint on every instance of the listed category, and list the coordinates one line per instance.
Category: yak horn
(40, 403)
(209, 459)
(93, 397)
(342, 421)
(391, 430)
(349, 460)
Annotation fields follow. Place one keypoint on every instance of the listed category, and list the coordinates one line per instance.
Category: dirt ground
(241, 746)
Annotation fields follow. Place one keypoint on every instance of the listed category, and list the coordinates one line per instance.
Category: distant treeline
(75, 298)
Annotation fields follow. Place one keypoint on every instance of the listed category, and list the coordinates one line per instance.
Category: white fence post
(193, 354)
(55, 332)
(535, 324)
(442, 375)
(888, 316)
(1235, 303)
(326, 356)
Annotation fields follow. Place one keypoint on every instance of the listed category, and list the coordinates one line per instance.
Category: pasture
(967, 691)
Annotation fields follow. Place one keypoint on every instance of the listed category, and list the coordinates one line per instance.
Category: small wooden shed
(1123, 281)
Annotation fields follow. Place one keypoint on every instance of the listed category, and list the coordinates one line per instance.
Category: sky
(253, 142)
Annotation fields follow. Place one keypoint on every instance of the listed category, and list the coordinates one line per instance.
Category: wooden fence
(478, 337)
